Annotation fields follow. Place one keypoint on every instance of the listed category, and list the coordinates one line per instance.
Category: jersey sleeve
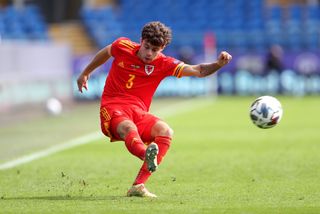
(174, 66)
(119, 44)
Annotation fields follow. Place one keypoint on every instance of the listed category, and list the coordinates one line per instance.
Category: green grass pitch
(219, 162)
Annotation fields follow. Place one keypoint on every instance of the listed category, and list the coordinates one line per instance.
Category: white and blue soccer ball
(266, 112)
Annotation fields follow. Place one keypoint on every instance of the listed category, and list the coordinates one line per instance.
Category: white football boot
(140, 190)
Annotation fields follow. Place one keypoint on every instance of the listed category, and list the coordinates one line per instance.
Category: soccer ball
(53, 106)
(266, 112)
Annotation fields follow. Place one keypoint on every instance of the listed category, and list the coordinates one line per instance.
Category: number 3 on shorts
(130, 81)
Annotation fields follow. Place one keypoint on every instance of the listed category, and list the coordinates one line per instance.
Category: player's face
(147, 52)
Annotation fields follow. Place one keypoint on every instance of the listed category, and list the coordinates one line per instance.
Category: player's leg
(120, 127)
(149, 165)
(138, 188)
(159, 132)
(151, 129)
(128, 132)
(117, 124)
(145, 122)
(162, 135)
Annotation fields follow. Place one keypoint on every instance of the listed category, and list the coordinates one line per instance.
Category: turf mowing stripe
(171, 110)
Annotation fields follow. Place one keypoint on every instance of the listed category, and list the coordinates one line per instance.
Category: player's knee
(125, 127)
(162, 129)
(166, 131)
(169, 132)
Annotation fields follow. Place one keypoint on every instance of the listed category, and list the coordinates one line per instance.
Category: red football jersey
(130, 80)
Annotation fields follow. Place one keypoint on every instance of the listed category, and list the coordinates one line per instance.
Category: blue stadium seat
(274, 12)
(313, 12)
(256, 40)
(102, 24)
(274, 38)
(239, 24)
(294, 40)
(23, 24)
(295, 12)
(312, 41)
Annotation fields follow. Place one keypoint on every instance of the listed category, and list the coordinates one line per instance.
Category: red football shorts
(112, 115)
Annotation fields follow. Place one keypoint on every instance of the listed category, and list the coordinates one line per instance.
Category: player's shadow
(66, 198)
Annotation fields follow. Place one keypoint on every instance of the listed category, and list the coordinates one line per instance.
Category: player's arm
(206, 69)
(101, 57)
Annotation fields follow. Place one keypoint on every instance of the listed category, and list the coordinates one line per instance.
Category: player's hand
(224, 58)
(82, 82)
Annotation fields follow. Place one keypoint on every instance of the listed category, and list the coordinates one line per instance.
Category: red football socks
(163, 143)
(143, 175)
(135, 145)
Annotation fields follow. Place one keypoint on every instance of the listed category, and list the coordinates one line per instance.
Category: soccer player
(136, 71)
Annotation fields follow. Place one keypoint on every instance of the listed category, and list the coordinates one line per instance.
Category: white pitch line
(54, 149)
(171, 110)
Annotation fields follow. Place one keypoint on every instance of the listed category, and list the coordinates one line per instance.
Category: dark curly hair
(156, 33)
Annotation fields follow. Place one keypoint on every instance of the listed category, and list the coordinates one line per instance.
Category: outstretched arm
(101, 57)
(206, 69)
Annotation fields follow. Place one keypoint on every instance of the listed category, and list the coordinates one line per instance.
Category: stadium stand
(25, 23)
(74, 34)
(239, 25)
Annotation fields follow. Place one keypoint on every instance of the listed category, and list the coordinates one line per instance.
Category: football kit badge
(149, 69)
